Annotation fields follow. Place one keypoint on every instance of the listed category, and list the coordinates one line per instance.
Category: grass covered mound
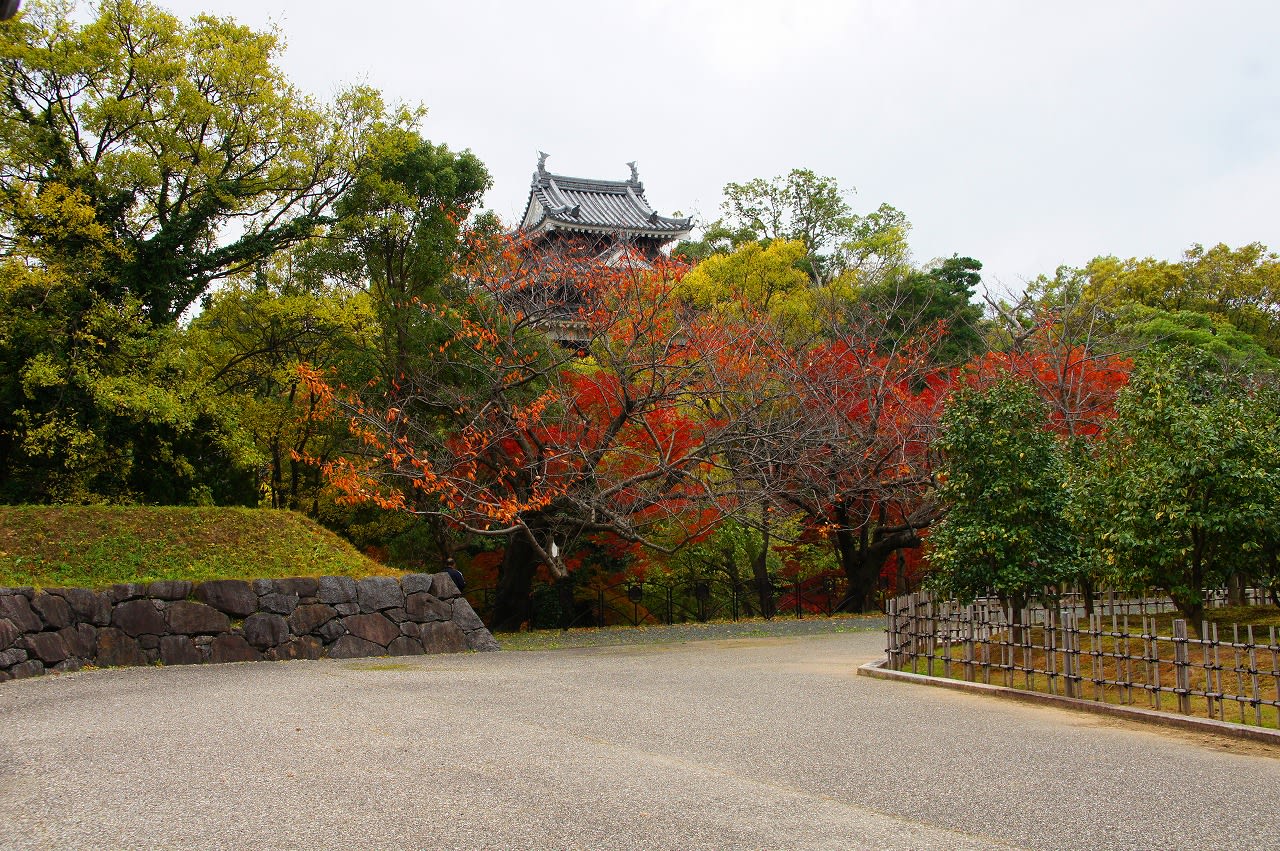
(95, 546)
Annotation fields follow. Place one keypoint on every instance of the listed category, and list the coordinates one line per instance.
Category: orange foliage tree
(571, 398)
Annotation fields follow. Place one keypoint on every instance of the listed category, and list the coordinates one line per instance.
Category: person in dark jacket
(455, 574)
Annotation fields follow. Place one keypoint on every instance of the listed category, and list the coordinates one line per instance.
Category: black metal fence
(632, 602)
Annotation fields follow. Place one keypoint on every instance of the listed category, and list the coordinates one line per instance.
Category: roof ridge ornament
(635, 174)
(542, 162)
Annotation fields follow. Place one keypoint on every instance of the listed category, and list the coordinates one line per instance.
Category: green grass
(96, 546)
(613, 636)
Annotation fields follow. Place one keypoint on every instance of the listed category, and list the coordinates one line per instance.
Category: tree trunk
(740, 594)
(1190, 601)
(760, 570)
(1235, 589)
(1015, 604)
(511, 603)
(862, 562)
(564, 591)
(1191, 607)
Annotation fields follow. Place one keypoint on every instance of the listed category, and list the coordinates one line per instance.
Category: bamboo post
(1206, 662)
(1050, 633)
(1095, 653)
(891, 633)
(1254, 692)
(945, 617)
(1217, 676)
(968, 644)
(1275, 671)
(1150, 630)
(931, 636)
(1182, 666)
(987, 636)
(1069, 659)
(1025, 631)
(1235, 658)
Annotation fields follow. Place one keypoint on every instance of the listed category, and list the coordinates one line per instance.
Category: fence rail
(1126, 651)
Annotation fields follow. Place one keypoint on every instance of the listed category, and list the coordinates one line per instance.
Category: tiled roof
(601, 206)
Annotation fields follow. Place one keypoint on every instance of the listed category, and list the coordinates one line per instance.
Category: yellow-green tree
(194, 153)
(141, 159)
(1208, 292)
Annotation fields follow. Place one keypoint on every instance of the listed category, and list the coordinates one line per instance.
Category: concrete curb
(877, 670)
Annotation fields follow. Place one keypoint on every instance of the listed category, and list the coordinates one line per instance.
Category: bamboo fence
(1117, 654)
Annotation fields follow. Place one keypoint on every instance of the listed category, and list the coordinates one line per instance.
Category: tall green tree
(939, 296)
(186, 141)
(398, 233)
(1005, 530)
(247, 344)
(1184, 491)
(142, 158)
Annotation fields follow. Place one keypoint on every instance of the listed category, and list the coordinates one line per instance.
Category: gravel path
(759, 742)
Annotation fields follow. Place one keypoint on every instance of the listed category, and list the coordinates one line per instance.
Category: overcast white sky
(1025, 134)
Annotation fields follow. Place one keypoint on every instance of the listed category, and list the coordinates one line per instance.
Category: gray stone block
(264, 630)
(8, 633)
(123, 591)
(67, 666)
(54, 611)
(139, 617)
(415, 583)
(115, 647)
(303, 647)
(89, 606)
(442, 637)
(465, 616)
(280, 604)
(306, 619)
(230, 596)
(46, 646)
(347, 608)
(178, 650)
(232, 648)
(190, 618)
(424, 607)
(17, 609)
(376, 593)
(263, 586)
(169, 589)
(30, 668)
(442, 586)
(405, 646)
(331, 631)
(80, 639)
(482, 640)
(352, 647)
(372, 627)
(300, 586)
(336, 589)
(12, 656)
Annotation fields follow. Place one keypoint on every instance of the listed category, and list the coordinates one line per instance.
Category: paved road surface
(750, 743)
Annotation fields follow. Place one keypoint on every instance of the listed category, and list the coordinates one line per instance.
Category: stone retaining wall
(230, 620)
